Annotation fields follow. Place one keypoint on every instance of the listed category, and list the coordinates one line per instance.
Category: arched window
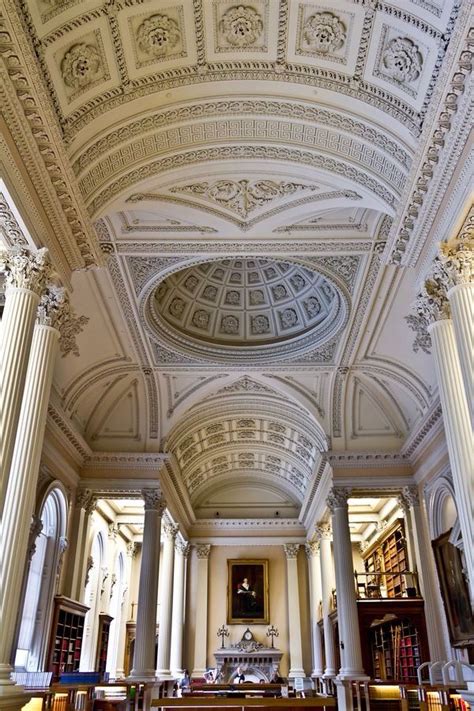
(41, 583)
(92, 600)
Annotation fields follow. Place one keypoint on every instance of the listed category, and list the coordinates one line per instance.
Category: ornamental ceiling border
(244, 225)
(224, 246)
(42, 149)
(352, 158)
(232, 153)
(244, 107)
(446, 137)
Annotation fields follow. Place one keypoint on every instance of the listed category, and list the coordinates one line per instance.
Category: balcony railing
(386, 585)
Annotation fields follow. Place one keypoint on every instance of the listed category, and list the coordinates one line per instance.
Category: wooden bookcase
(388, 556)
(102, 643)
(66, 635)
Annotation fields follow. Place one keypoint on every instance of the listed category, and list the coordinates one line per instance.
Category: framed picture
(454, 591)
(247, 592)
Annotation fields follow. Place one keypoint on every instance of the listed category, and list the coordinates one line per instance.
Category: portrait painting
(454, 591)
(247, 592)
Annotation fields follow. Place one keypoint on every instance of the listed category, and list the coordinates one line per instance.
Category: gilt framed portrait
(247, 592)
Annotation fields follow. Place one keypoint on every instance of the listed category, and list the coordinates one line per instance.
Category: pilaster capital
(337, 498)
(323, 531)
(131, 549)
(411, 496)
(89, 566)
(54, 309)
(113, 531)
(86, 500)
(363, 545)
(170, 530)
(203, 550)
(312, 549)
(63, 545)
(291, 550)
(25, 269)
(432, 303)
(182, 547)
(154, 500)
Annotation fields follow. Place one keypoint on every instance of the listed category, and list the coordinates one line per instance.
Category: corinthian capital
(291, 550)
(457, 258)
(323, 530)
(411, 496)
(154, 500)
(25, 269)
(203, 550)
(337, 498)
(312, 548)
(53, 308)
(432, 303)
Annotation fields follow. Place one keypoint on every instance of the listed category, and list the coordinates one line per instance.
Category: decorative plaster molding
(9, 227)
(154, 500)
(25, 269)
(291, 550)
(337, 498)
(203, 550)
(349, 460)
(415, 441)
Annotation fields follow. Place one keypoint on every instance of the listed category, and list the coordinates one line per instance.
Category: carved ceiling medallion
(157, 35)
(402, 60)
(324, 32)
(80, 66)
(241, 26)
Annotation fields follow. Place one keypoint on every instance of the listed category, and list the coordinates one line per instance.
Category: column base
(164, 674)
(13, 697)
(198, 673)
(329, 674)
(352, 676)
(316, 673)
(296, 674)
(147, 675)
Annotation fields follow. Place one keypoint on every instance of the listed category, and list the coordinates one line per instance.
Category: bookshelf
(388, 556)
(396, 651)
(66, 636)
(102, 643)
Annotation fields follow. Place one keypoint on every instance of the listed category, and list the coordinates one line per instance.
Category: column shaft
(166, 592)
(461, 299)
(349, 633)
(26, 274)
(294, 618)
(21, 489)
(177, 621)
(144, 656)
(315, 593)
(200, 640)
(327, 584)
(459, 434)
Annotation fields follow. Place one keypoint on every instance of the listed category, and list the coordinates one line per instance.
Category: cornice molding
(42, 148)
(74, 441)
(123, 460)
(349, 460)
(421, 434)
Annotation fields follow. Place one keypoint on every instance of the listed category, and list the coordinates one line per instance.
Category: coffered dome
(247, 302)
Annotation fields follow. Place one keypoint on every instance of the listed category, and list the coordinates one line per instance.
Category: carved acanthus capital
(457, 258)
(113, 531)
(312, 548)
(53, 308)
(432, 303)
(89, 566)
(403, 503)
(170, 530)
(154, 500)
(411, 495)
(182, 547)
(86, 500)
(203, 550)
(25, 269)
(323, 531)
(131, 549)
(338, 498)
(291, 550)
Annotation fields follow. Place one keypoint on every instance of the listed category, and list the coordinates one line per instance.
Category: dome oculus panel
(246, 304)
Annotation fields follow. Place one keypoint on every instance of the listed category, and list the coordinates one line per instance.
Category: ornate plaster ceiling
(283, 132)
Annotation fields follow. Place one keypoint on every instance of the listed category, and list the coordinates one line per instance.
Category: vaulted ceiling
(253, 173)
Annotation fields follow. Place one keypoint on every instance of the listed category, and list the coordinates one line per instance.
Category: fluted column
(22, 483)
(177, 620)
(294, 617)
(457, 259)
(144, 655)
(433, 306)
(349, 633)
(323, 532)
(166, 591)
(131, 553)
(200, 639)
(429, 587)
(73, 584)
(313, 555)
(26, 275)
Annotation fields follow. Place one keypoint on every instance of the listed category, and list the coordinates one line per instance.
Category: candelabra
(222, 632)
(272, 632)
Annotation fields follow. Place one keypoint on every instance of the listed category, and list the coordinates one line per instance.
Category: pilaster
(324, 534)
(200, 639)
(294, 616)
(314, 562)
(169, 532)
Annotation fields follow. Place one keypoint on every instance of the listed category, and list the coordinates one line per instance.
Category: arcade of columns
(36, 310)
